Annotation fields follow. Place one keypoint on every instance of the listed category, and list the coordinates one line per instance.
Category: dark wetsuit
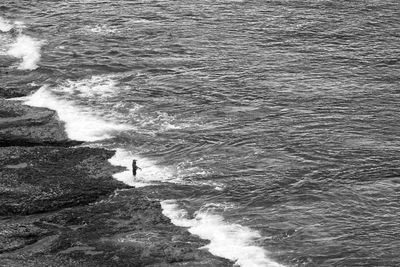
(134, 167)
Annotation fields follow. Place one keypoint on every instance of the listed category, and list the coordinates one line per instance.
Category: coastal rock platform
(28, 126)
(60, 205)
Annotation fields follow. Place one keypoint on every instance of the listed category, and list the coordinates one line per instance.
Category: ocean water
(269, 127)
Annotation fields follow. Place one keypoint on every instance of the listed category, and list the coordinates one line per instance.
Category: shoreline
(63, 207)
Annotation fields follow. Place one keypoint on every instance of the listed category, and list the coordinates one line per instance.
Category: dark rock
(28, 126)
(17, 90)
(15, 235)
(53, 178)
(60, 208)
(59, 205)
(16, 82)
(126, 229)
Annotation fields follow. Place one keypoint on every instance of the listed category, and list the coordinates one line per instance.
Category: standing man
(134, 168)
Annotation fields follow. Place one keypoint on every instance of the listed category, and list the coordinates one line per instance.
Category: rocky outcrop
(19, 84)
(77, 218)
(28, 126)
(42, 179)
(125, 229)
(60, 205)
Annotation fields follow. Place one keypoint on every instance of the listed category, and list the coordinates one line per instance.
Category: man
(134, 168)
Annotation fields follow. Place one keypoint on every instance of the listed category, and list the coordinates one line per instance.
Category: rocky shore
(60, 205)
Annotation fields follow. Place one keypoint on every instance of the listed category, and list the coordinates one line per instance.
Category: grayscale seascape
(267, 133)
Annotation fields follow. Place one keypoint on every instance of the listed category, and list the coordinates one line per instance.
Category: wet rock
(60, 206)
(15, 235)
(125, 229)
(16, 82)
(17, 91)
(53, 178)
(28, 126)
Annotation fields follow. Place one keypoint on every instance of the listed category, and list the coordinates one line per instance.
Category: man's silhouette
(134, 168)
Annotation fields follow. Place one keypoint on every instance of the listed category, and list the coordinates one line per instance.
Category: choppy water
(270, 128)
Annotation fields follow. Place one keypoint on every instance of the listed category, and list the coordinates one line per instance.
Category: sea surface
(269, 127)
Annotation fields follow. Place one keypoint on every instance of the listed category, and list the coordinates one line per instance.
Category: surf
(27, 49)
(80, 125)
(84, 125)
(24, 47)
(5, 25)
(228, 240)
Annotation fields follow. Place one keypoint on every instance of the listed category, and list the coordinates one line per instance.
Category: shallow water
(275, 122)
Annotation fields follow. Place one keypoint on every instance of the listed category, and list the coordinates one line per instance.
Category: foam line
(230, 241)
(227, 240)
(79, 125)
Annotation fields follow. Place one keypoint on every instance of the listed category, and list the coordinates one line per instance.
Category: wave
(157, 122)
(97, 86)
(100, 90)
(80, 124)
(28, 49)
(151, 172)
(230, 241)
(5, 25)
(23, 47)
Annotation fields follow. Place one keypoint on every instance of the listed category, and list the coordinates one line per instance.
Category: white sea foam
(100, 30)
(5, 25)
(80, 124)
(159, 122)
(149, 174)
(141, 21)
(28, 49)
(230, 241)
(93, 87)
(100, 90)
(152, 173)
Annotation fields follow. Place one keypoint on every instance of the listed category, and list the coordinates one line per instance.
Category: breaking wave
(80, 124)
(230, 241)
(97, 86)
(23, 46)
(150, 173)
(5, 25)
(27, 49)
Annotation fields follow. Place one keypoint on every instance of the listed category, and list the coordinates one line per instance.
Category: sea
(270, 128)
